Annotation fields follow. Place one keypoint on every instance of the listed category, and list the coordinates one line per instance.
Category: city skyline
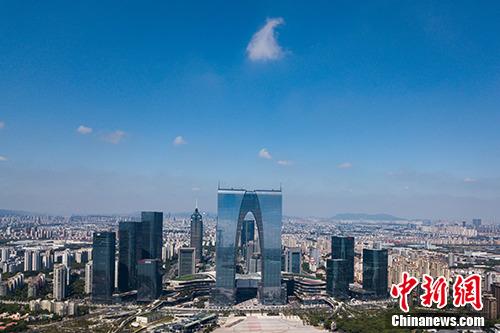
(350, 109)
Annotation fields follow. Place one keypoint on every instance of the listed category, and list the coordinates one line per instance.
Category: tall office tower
(293, 260)
(60, 275)
(151, 235)
(149, 284)
(337, 282)
(476, 223)
(266, 208)
(103, 266)
(187, 261)
(197, 234)
(375, 271)
(28, 260)
(247, 235)
(88, 277)
(247, 231)
(127, 255)
(36, 261)
(343, 248)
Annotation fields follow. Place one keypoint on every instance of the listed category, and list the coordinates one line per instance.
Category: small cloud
(263, 46)
(195, 189)
(115, 137)
(3, 158)
(345, 165)
(264, 153)
(2, 124)
(179, 141)
(285, 162)
(469, 180)
(84, 129)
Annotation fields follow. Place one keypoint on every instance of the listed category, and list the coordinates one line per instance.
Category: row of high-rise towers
(139, 259)
(340, 269)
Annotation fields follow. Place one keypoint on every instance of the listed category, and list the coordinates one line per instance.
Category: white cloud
(3, 158)
(345, 165)
(2, 124)
(115, 137)
(179, 140)
(264, 153)
(84, 129)
(469, 180)
(195, 189)
(285, 162)
(263, 46)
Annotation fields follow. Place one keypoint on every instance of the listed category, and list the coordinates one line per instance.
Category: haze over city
(381, 108)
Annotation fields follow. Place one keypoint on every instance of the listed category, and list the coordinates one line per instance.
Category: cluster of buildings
(59, 308)
(139, 259)
(11, 284)
(417, 263)
(340, 270)
(248, 254)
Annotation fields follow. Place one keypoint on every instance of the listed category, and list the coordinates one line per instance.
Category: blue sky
(388, 106)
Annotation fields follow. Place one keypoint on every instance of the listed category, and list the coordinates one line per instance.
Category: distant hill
(369, 217)
(9, 212)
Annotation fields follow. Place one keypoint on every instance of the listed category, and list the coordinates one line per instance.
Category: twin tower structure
(233, 207)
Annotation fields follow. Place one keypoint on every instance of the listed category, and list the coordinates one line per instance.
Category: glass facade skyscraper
(337, 282)
(375, 271)
(149, 280)
(151, 235)
(343, 248)
(187, 260)
(266, 208)
(197, 234)
(103, 266)
(293, 260)
(127, 254)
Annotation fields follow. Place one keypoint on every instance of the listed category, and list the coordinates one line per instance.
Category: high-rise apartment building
(495, 290)
(36, 261)
(28, 260)
(88, 277)
(59, 284)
